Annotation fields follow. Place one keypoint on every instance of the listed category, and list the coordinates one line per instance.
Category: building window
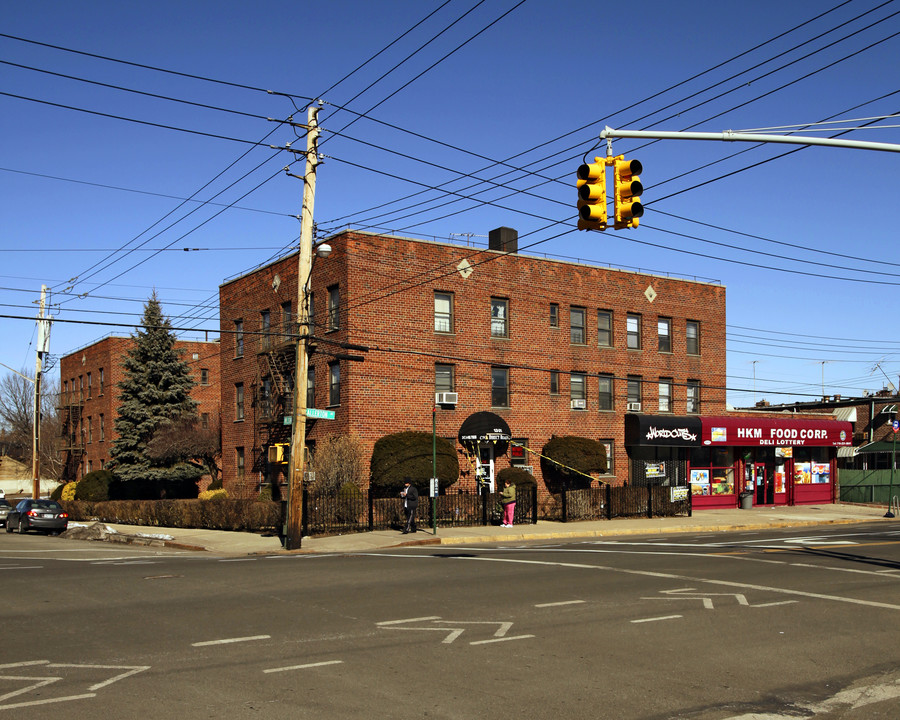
(204, 420)
(239, 462)
(633, 332)
(664, 332)
(310, 387)
(334, 308)
(443, 312)
(554, 382)
(310, 311)
(238, 402)
(265, 397)
(265, 330)
(606, 392)
(287, 322)
(693, 337)
(100, 374)
(444, 380)
(605, 328)
(238, 338)
(693, 396)
(665, 395)
(578, 390)
(634, 392)
(554, 315)
(608, 447)
(334, 384)
(499, 387)
(90, 430)
(102, 429)
(90, 465)
(576, 325)
(499, 318)
(89, 387)
(204, 376)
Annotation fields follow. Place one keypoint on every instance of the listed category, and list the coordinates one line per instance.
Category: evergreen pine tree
(155, 391)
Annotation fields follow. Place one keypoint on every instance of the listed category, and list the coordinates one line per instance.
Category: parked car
(29, 514)
(5, 508)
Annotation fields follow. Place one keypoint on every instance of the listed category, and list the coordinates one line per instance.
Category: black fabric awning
(662, 430)
(485, 427)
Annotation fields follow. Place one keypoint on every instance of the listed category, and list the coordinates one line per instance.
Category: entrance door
(764, 484)
(485, 469)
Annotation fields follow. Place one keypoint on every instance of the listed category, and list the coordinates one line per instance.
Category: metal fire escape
(72, 446)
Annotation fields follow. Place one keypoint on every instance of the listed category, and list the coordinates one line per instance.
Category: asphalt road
(774, 624)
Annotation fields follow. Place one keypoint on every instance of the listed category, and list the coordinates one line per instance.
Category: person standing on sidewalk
(410, 502)
(508, 501)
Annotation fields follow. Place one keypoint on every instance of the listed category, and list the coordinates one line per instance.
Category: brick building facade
(89, 397)
(553, 347)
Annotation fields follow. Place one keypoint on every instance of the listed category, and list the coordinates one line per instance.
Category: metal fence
(868, 486)
(361, 511)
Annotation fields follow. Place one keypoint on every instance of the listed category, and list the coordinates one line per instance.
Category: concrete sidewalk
(241, 543)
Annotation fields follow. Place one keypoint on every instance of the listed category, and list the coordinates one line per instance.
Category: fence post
(534, 507)
(565, 504)
(371, 503)
(649, 501)
(608, 501)
(484, 516)
(690, 502)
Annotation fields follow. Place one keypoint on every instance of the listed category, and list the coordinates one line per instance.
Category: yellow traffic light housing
(592, 213)
(279, 453)
(627, 194)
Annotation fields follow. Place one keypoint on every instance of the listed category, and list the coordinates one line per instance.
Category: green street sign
(320, 414)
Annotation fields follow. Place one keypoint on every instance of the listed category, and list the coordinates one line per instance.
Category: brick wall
(387, 287)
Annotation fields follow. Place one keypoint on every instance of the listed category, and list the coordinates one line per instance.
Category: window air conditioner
(528, 468)
(578, 405)
(634, 407)
(446, 398)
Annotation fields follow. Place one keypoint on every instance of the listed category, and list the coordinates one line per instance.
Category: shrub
(409, 455)
(217, 494)
(517, 476)
(67, 491)
(265, 494)
(568, 461)
(94, 487)
(337, 460)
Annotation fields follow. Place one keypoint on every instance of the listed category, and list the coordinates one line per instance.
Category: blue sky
(501, 100)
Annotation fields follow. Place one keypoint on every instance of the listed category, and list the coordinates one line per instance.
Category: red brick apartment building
(89, 397)
(551, 346)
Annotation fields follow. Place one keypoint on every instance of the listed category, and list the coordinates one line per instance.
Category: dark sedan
(45, 515)
(5, 509)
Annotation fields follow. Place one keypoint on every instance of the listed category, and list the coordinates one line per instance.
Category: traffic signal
(627, 195)
(592, 214)
(279, 453)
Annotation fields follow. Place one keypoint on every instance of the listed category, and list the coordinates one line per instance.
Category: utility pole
(43, 346)
(294, 530)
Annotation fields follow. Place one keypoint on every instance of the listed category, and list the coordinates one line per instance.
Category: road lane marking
(227, 641)
(665, 576)
(304, 667)
(656, 619)
(501, 639)
(409, 620)
(560, 604)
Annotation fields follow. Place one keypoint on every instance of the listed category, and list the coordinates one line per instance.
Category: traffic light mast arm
(731, 136)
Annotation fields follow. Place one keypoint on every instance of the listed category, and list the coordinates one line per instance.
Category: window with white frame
(499, 317)
(692, 337)
(605, 328)
(664, 333)
(443, 312)
(310, 387)
(633, 331)
(554, 382)
(633, 390)
(578, 390)
(334, 384)
(576, 326)
(606, 392)
(238, 401)
(238, 338)
(665, 395)
(554, 315)
(444, 380)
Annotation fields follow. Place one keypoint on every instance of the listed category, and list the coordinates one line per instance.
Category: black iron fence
(361, 512)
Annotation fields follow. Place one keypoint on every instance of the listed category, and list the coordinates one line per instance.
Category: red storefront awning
(776, 432)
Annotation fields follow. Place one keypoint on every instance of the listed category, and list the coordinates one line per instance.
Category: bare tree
(337, 460)
(17, 421)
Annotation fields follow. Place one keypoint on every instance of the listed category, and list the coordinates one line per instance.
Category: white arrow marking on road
(41, 682)
(455, 632)
(409, 620)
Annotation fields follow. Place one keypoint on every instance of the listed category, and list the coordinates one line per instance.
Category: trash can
(746, 500)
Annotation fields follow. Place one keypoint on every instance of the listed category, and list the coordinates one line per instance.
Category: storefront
(781, 461)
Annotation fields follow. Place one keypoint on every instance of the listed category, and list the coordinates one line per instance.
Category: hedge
(247, 515)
